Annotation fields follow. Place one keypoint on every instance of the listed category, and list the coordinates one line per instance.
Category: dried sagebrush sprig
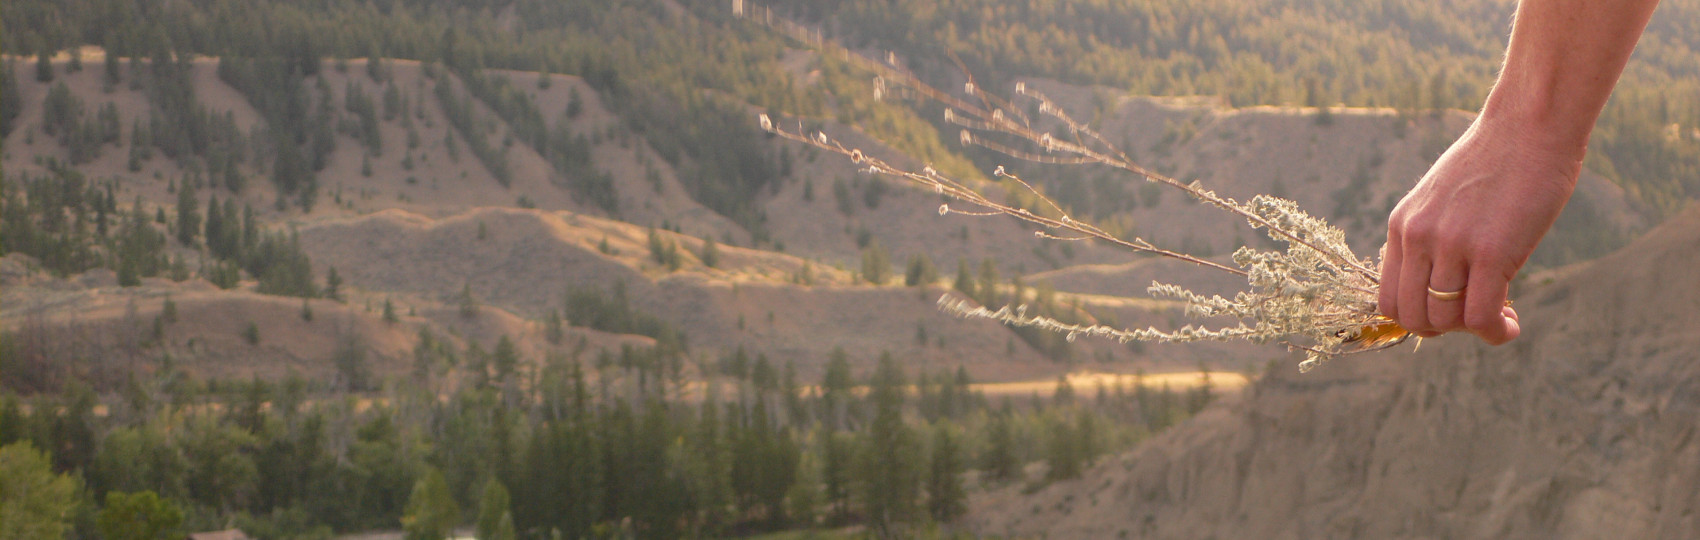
(1316, 295)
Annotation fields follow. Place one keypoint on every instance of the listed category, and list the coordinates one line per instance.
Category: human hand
(1469, 225)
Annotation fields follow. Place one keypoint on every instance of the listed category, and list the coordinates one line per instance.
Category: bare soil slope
(528, 259)
(103, 329)
(1583, 428)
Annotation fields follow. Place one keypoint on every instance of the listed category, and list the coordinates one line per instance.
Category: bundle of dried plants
(1315, 295)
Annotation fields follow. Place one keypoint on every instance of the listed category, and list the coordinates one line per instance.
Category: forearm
(1562, 62)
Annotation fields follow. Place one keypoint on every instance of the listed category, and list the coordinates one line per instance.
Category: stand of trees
(72, 225)
(585, 450)
(648, 66)
(300, 141)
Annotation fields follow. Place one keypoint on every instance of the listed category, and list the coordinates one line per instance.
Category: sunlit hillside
(531, 269)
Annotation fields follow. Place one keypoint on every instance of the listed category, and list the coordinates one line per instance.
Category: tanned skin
(1472, 221)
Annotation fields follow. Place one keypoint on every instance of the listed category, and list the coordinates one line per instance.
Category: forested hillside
(530, 268)
(653, 60)
(1405, 54)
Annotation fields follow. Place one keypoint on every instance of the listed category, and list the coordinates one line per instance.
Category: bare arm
(1472, 221)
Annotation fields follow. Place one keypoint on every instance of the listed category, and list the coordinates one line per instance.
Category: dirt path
(1088, 381)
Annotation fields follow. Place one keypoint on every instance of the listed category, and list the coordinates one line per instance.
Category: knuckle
(1395, 224)
(1486, 254)
(1418, 233)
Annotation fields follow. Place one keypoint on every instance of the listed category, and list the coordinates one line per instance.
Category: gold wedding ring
(1445, 296)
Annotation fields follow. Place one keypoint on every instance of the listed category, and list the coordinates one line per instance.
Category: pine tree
(803, 501)
(112, 75)
(1198, 398)
(350, 362)
(492, 510)
(552, 328)
(1086, 435)
(505, 359)
(920, 271)
(890, 484)
(43, 67)
(964, 281)
(712, 467)
(575, 103)
(214, 228)
(664, 250)
(1063, 394)
(333, 285)
(1062, 450)
(876, 264)
(127, 273)
(431, 513)
(138, 516)
(468, 306)
(987, 294)
(375, 67)
(168, 310)
(999, 461)
(796, 413)
(836, 384)
(39, 503)
(710, 253)
(836, 465)
(10, 107)
(504, 528)
(946, 499)
(188, 214)
(250, 230)
(393, 107)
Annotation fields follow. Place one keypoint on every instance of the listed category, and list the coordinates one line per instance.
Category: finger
(1448, 275)
(1389, 293)
(1485, 309)
(1413, 290)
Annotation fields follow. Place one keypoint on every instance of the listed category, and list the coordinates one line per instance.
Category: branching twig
(1317, 289)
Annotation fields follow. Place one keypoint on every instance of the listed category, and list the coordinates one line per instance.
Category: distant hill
(583, 117)
(411, 235)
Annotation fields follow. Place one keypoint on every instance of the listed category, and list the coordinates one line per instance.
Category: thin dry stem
(1317, 290)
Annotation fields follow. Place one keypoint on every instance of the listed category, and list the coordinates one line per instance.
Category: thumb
(1507, 329)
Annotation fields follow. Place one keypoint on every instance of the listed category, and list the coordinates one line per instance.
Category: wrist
(1540, 148)
(1537, 121)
